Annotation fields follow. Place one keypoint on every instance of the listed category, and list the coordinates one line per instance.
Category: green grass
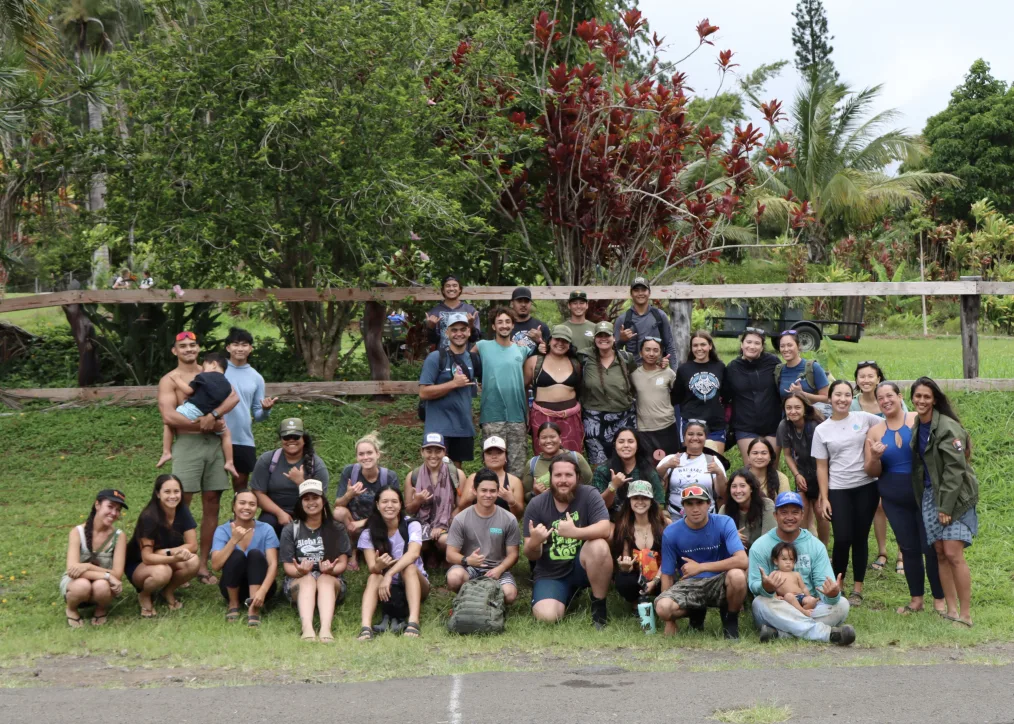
(757, 714)
(56, 461)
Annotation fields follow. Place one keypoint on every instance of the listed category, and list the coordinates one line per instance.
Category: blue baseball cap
(433, 439)
(788, 499)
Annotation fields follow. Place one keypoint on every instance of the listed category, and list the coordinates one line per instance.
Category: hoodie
(812, 563)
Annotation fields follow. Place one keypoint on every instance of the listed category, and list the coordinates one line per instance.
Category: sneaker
(599, 612)
(767, 633)
(843, 635)
(696, 618)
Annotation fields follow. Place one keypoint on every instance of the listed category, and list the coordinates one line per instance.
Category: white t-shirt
(841, 443)
(690, 472)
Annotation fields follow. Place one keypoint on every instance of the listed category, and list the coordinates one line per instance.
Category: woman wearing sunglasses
(796, 374)
(278, 474)
(750, 387)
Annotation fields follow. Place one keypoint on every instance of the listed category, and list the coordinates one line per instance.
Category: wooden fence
(968, 289)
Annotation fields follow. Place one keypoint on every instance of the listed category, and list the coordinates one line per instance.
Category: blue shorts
(561, 589)
(714, 435)
(747, 435)
(190, 411)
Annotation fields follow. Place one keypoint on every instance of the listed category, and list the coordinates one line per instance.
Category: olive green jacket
(955, 488)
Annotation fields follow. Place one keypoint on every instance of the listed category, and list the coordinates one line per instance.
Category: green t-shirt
(503, 382)
(584, 335)
(603, 476)
(606, 389)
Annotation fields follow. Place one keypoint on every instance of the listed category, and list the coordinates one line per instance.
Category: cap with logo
(640, 489)
(640, 282)
(496, 443)
(521, 293)
(113, 496)
(433, 439)
(578, 295)
(290, 426)
(788, 498)
(311, 486)
(457, 318)
(562, 331)
(603, 328)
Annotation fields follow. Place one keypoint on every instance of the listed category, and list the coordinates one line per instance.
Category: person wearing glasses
(703, 566)
(796, 374)
(750, 387)
(278, 474)
(656, 418)
(197, 457)
(699, 389)
(607, 394)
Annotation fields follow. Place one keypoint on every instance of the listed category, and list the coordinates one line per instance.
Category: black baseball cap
(114, 496)
(521, 293)
(640, 282)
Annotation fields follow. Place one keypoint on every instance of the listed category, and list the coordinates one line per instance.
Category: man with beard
(504, 408)
(197, 451)
(709, 556)
(525, 325)
(566, 530)
(437, 318)
(447, 385)
(778, 618)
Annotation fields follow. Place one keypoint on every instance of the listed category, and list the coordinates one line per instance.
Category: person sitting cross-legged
(774, 616)
(708, 555)
(484, 540)
(567, 531)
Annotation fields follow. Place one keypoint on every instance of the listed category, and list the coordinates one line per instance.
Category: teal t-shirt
(503, 382)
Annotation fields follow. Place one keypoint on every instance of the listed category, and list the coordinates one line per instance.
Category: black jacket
(750, 387)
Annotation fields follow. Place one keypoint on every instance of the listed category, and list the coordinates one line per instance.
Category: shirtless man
(197, 451)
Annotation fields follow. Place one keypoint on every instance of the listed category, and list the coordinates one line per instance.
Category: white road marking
(454, 703)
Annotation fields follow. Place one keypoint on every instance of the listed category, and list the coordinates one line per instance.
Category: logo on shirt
(589, 333)
(496, 531)
(704, 385)
(560, 548)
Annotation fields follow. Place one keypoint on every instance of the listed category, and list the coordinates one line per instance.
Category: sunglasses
(652, 339)
(756, 330)
(696, 421)
(693, 490)
(291, 438)
(867, 363)
(186, 335)
(788, 331)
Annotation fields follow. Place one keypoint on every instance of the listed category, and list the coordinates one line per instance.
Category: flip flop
(326, 639)
(253, 620)
(955, 619)
(176, 605)
(877, 565)
(855, 599)
(148, 613)
(899, 567)
(308, 637)
(907, 610)
(99, 620)
(208, 579)
(232, 615)
(75, 622)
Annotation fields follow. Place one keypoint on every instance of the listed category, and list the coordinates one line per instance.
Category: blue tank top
(897, 459)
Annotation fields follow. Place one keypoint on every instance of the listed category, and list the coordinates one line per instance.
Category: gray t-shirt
(490, 536)
(283, 492)
(841, 443)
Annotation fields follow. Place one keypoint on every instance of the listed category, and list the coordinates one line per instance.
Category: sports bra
(546, 380)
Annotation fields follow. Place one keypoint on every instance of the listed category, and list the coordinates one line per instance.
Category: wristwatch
(106, 576)
(214, 414)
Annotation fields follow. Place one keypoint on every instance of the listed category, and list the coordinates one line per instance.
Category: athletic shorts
(198, 461)
(750, 435)
(460, 449)
(505, 580)
(691, 593)
(244, 457)
(561, 589)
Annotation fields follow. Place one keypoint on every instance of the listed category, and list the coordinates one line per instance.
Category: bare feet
(166, 457)
(671, 628)
(325, 637)
(207, 578)
(174, 603)
(147, 607)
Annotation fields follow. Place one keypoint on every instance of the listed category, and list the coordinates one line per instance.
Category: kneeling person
(484, 540)
(567, 530)
(711, 560)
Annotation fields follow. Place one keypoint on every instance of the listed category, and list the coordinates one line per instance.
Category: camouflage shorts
(693, 593)
(515, 434)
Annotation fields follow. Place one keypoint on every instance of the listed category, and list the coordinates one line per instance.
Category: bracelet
(611, 488)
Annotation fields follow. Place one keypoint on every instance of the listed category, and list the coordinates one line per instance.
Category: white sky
(918, 49)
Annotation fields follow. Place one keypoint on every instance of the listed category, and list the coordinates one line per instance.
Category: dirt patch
(403, 418)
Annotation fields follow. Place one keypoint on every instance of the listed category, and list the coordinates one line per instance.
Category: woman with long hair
(656, 418)
(162, 553)
(511, 495)
(943, 480)
(358, 486)
(555, 378)
(637, 544)
(278, 474)
(795, 437)
(607, 394)
(630, 461)
(750, 387)
(762, 461)
(392, 548)
(96, 555)
(848, 494)
(889, 459)
(699, 388)
(695, 466)
(750, 509)
(536, 478)
(314, 553)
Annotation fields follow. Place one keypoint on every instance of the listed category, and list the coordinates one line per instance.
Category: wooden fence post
(681, 314)
(970, 306)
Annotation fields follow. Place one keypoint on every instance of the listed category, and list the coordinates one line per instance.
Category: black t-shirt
(750, 386)
(147, 527)
(559, 553)
(520, 333)
(698, 392)
(210, 390)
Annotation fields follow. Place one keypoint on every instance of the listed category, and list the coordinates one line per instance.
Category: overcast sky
(918, 50)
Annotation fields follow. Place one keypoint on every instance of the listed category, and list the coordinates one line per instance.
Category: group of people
(629, 487)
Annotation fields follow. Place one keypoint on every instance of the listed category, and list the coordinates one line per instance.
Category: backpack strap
(531, 465)
(539, 360)
(811, 378)
(778, 373)
(626, 373)
(383, 477)
(663, 327)
(275, 457)
(357, 470)
(573, 456)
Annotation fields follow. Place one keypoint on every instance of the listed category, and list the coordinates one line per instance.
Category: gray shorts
(198, 461)
(691, 593)
(505, 580)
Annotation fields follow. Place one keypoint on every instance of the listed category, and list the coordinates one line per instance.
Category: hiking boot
(767, 633)
(730, 625)
(843, 635)
(599, 613)
(696, 618)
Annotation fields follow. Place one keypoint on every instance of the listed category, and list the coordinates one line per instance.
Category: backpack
(808, 375)
(357, 469)
(478, 608)
(535, 461)
(660, 321)
(442, 358)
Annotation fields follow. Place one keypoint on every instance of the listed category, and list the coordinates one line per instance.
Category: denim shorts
(561, 589)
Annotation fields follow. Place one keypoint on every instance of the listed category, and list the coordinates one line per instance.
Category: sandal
(148, 613)
(329, 639)
(74, 622)
(855, 599)
(208, 579)
(877, 565)
(308, 637)
(232, 615)
(908, 610)
(365, 634)
(253, 620)
(412, 630)
(900, 567)
(176, 604)
(955, 619)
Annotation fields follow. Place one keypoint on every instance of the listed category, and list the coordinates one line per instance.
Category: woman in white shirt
(695, 466)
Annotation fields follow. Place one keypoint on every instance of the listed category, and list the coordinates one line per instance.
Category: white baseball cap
(494, 442)
(311, 486)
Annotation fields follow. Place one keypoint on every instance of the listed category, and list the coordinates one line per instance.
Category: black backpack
(442, 358)
(660, 320)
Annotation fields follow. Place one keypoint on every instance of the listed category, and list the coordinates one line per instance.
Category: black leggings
(905, 516)
(273, 522)
(628, 585)
(240, 571)
(852, 514)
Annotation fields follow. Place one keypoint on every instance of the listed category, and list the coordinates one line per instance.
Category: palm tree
(842, 154)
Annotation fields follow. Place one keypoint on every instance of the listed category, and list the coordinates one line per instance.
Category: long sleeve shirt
(249, 385)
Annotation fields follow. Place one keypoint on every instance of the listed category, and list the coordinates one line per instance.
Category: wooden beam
(394, 294)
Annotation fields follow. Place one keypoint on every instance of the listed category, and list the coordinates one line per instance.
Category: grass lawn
(58, 460)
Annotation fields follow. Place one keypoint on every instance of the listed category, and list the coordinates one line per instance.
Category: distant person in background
(795, 437)
(555, 378)
(750, 387)
(643, 320)
(96, 556)
(437, 318)
(254, 405)
(123, 279)
(536, 478)
(607, 394)
(278, 474)
(524, 322)
(447, 384)
(358, 486)
(656, 417)
(699, 387)
(582, 330)
(146, 280)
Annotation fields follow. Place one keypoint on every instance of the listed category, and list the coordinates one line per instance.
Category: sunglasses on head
(291, 438)
(788, 331)
(867, 363)
(693, 490)
(186, 335)
(696, 421)
(755, 330)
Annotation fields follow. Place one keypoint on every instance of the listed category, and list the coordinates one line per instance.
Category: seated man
(484, 540)
(567, 531)
(774, 616)
(711, 560)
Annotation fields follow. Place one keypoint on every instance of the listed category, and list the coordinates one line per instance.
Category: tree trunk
(318, 331)
(374, 317)
(88, 368)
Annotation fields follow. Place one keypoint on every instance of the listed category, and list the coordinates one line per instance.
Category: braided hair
(89, 525)
(308, 456)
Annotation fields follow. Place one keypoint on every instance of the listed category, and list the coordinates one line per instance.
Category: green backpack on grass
(478, 608)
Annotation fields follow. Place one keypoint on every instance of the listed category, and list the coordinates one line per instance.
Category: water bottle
(646, 612)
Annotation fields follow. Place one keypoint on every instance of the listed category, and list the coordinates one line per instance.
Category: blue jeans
(788, 621)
